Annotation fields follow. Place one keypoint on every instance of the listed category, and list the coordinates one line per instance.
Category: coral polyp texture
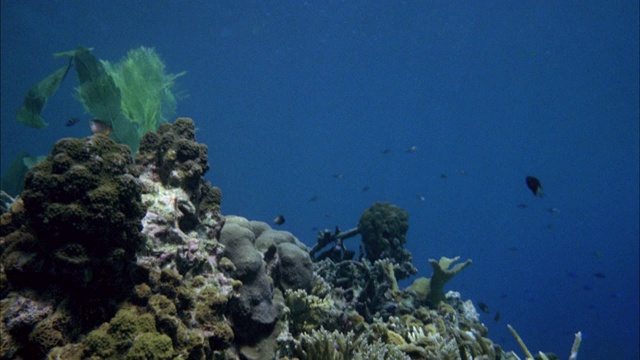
(104, 258)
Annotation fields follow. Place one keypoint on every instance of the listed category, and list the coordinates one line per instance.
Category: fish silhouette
(534, 185)
(72, 121)
(279, 220)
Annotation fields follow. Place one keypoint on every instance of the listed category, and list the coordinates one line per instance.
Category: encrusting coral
(106, 259)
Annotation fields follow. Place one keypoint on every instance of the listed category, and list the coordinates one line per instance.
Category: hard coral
(83, 213)
(174, 156)
(383, 228)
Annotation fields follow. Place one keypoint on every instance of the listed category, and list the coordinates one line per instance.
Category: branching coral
(528, 356)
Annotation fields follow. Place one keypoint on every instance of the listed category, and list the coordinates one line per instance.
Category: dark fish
(513, 249)
(365, 189)
(386, 151)
(314, 198)
(496, 318)
(72, 121)
(599, 275)
(483, 307)
(522, 206)
(279, 220)
(534, 185)
(443, 176)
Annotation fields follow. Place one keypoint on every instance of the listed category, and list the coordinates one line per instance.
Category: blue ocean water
(316, 110)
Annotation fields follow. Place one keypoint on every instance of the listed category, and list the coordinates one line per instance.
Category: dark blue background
(287, 94)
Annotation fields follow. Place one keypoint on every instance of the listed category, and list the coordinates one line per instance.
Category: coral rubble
(104, 258)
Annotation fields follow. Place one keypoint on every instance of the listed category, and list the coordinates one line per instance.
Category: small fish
(513, 249)
(412, 149)
(314, 198)
(484, 307)
(337, 176)
(587, 287)
(386, 151)
(554, 210)
(534, 185)
(72, 121)
(443, 176)
(279, 220)
(366, 188)
(599, 275)
(420, 197)
(496, 318)
(99, 127)
(522, 206)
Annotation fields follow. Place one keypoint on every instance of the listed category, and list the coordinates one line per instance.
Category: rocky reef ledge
(104, 257)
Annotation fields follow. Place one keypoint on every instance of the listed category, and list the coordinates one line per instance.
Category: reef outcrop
(383, 228)
(104, 258)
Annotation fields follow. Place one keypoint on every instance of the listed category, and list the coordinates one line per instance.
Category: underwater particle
(534, 185)
(484, 307)
(554, 210)
(513, 249)
(99, 127)
(420, 197)
(314, 198)
(72, 121)
(386, 151)
(599, 275)
(337, 176)
(463, 172)
(522, 206)
(279, 220)
(365, 188)
(443, 176)
(412, 149)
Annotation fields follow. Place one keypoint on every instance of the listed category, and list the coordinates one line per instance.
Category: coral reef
(383, 228)
(79, 226)
(431, 291)
(106, 259)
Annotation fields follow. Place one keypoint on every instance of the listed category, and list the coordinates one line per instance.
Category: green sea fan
(147, 91)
